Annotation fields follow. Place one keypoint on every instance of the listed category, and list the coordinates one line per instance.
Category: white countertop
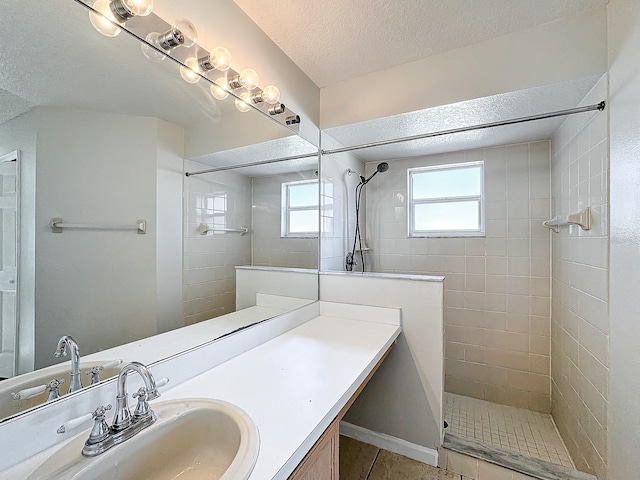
(292, 387)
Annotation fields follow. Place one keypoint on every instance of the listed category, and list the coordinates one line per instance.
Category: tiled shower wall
(269, 247)
(338, 205)
(580, 290)
(496, 297)
(209, 260)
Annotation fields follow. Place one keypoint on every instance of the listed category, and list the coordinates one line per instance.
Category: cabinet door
(321, 463)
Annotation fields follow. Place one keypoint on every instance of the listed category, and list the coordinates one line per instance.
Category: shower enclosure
(511, 382)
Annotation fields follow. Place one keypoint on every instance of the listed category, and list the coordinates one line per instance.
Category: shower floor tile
(522, 431)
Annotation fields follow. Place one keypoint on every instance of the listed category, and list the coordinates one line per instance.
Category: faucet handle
(95, 374)
(100, 430)
(33, 391)
(76, 422)
(162, 382)
(100, 411)
(28, 392)
(142, 408)
(54, 389)
(95, 371)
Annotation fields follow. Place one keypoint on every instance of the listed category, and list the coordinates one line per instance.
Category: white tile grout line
(564, 446)
(520, 430)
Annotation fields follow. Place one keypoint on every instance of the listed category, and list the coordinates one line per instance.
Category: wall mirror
(105, 137)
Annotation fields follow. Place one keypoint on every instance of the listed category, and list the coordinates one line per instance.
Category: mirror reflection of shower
(357, 238)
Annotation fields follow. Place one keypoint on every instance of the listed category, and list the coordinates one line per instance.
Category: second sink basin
(9, 406)
(192, 439)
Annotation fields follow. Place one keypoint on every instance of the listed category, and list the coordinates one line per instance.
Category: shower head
(381, 168)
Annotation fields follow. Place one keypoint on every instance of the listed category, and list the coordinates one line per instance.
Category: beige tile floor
(522, 431)
(361, 461)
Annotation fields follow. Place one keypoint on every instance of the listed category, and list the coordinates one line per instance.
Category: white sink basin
(9, 406)
(192, 439)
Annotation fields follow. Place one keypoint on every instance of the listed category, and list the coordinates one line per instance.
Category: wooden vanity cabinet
(321, 463)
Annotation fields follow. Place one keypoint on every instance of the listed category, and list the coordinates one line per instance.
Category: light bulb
(181, 34)
(185, 33)
(271, 95)
(100, 21)
(219, 89)
(242, 103)
(154, 54)
(191, 72)
(138, 8)
(249, 79)
(220, 58)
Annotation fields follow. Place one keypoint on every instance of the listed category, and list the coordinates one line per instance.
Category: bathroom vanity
(295, 376)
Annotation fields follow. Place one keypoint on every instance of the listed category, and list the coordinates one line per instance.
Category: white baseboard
(392, 444)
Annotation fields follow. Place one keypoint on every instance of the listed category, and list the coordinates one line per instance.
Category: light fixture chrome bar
(560, 113)
(292, 126)
(252, 164)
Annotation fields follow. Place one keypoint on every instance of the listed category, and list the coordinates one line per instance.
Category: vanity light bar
(194, 61)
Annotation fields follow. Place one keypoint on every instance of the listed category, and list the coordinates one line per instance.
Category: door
(8, 261)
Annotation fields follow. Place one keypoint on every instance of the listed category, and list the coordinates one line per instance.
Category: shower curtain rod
(600, 106)
(560, 113)
(252, 164)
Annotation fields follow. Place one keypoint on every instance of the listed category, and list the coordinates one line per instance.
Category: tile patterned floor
(361, 461)
(522, 431)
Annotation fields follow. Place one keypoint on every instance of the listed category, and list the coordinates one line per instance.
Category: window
(446, 200)
(214, 210)
(300, 209)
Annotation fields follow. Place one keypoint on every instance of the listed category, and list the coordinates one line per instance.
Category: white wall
(98, 286)
(404, 398)
(282, 282)
(96, 179)
(169, 226)
(624, 386)
(566, 49)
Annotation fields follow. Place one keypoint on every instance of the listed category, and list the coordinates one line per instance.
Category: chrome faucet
(125, 425)
(122, 417)
(68, 343)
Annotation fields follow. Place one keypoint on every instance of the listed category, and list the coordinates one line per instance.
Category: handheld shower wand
(350, 260)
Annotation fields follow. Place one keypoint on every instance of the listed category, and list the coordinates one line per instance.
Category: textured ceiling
(336, 40)
(506, 106)
(12, 106)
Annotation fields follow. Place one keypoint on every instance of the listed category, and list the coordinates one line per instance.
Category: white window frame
(412, 232)
(286, 208)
